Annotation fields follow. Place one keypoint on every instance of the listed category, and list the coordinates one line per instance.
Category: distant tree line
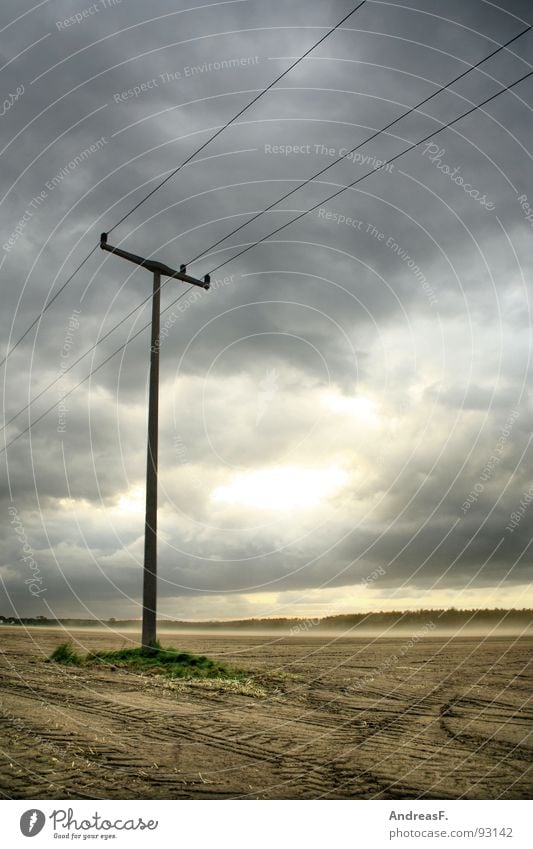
(452, 618)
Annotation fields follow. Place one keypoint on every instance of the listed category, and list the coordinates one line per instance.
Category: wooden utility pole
(149, 634)
(149, 627)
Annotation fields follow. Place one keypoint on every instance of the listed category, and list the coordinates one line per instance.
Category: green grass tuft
(65, 654)
(164, 661)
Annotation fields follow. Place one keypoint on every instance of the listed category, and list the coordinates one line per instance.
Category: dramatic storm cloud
(345, 417)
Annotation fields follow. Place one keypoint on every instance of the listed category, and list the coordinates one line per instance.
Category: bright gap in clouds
(281, 488)
(133, 501)
(360, 408)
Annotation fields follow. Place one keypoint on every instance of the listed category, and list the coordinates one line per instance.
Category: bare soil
(324, 717)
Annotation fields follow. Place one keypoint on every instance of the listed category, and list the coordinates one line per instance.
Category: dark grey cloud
(409, 291)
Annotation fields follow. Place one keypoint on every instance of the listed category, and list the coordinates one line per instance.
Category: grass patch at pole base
(169, 662)
(66, 654)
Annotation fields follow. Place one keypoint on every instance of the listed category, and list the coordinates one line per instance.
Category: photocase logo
(32, 822)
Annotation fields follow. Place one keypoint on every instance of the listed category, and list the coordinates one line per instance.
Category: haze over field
(421, 624)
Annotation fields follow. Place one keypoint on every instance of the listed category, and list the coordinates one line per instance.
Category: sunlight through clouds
(282, 488)
(361, 408)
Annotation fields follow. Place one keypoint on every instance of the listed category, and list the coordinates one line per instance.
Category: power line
(238, 115)
(268, 236)
(271, 206)
(278, 229)
(357, 147)
(374, 171)
(80, 358)
(87, 376)
(179, 168)
(48, 305)
(301, 215)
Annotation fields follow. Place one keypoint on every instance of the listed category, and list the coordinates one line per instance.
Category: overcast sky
(345, 418)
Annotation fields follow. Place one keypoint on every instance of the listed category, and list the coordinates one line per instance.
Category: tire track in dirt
(121, 735)
(156, 727)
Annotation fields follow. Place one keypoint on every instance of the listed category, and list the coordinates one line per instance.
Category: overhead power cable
(272, 206)
(85, 379)
(374, 171)
(79, 359)
(259, 241)
(179, 168)
(357, 147)
(238, 115)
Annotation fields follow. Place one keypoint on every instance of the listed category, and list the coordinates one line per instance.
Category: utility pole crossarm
(156, 267)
